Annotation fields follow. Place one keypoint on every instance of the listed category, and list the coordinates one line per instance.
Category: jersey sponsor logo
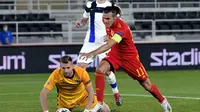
(15, 62)
(166, 58)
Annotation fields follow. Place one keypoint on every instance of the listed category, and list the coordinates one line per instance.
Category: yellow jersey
(70, 90)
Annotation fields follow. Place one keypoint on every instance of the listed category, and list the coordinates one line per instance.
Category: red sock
(156, 93)
(100, 85)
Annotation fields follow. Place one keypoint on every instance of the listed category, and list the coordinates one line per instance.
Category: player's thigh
(84, 100)
(135, 69)
(114, 64)
(103, 67)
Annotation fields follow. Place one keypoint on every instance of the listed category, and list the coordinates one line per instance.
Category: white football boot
(166, 106)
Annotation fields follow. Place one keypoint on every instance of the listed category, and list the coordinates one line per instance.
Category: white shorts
(88, 47)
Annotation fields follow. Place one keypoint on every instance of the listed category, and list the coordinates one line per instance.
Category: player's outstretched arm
(43, 99)
(90, 92)
(82, 22)
(101, 49)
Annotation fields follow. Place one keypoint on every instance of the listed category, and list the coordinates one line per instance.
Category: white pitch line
(172, 97)
(129, 95)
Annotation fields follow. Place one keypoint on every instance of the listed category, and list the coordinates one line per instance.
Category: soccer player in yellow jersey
(74, 88)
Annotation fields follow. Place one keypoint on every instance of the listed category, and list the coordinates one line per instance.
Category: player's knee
(146, 84)
(101, 70)
(108, 73)
(148, 87)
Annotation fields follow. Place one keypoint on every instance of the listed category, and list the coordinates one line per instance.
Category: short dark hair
(66, 59)
(114, 9)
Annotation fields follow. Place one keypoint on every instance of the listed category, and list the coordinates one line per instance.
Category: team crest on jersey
(119, 25)
(78, 81)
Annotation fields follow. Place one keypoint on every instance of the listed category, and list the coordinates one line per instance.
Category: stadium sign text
(15, 61)
(166, 58)
(55, 63)
(54, 59)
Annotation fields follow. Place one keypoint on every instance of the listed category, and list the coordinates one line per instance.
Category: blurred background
(166, 34)
(53, 21)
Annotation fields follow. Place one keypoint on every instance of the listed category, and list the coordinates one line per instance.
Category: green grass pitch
(20, 93)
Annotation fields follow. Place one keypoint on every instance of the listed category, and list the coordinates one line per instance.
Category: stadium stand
(43, 19)
(31, 27)
(179, 18)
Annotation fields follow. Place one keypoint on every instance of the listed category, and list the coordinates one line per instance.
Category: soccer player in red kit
(123, 54)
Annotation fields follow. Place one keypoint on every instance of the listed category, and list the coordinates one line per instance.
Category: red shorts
(132, 66)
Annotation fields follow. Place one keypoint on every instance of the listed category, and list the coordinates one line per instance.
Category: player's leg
(135, 69)
(102, 69)
(153, 89)
(110, 76)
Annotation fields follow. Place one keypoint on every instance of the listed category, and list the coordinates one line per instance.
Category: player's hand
(86, 110)
(85, 56)
(78, 24)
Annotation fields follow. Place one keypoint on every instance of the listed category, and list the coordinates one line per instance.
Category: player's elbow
(84, 21)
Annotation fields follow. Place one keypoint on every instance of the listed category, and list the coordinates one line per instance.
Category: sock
(100, 85)
(112, 81)
(156, 93)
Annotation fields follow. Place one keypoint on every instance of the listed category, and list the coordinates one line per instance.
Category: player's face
(67, 68)
(108, 19)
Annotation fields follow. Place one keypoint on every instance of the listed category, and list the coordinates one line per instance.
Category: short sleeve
(86, 78)
(87, 12)
(52, 80)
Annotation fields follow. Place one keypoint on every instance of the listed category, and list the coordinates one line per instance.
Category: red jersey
(126, 47)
